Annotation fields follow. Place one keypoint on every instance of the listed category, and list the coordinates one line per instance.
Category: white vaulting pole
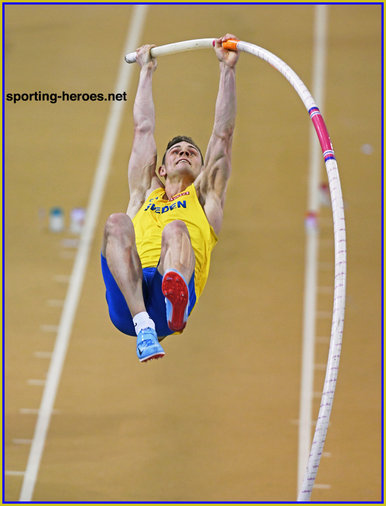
(339, 239)
(79, 269)
(174, 47)
(311, 253)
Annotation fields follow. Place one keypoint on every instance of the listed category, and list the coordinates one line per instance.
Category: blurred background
(217, 418)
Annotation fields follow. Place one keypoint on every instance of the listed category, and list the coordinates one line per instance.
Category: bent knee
(175, 227)
(117, 224)
(118, 227)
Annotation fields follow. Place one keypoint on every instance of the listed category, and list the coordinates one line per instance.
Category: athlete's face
(182, 158)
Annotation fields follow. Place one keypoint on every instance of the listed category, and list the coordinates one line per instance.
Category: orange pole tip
(230, 44)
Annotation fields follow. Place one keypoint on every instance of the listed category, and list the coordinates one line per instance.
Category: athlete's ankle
(142, 321)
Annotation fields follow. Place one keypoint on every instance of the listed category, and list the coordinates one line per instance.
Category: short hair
(181, 138)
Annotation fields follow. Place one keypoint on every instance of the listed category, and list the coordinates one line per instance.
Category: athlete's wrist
(225, 67)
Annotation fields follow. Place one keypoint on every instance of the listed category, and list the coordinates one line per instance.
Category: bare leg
(177, 252)
(122, 258)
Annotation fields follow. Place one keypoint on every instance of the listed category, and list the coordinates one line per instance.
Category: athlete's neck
(172, 188)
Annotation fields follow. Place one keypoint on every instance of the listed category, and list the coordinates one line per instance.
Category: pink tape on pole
(321, 130)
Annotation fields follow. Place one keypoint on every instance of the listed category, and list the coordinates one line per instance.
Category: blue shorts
(153, 297)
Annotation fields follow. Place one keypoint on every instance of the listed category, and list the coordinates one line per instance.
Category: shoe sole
(176, 292)
(152, 357)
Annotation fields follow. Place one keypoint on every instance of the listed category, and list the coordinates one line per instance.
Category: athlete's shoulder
(157, 192)
(137, 199)
(198, 189)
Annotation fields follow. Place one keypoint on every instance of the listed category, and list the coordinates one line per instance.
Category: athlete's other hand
(226, 55)
(144, 58)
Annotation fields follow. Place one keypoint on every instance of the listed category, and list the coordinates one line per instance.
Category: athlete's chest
(159, 205)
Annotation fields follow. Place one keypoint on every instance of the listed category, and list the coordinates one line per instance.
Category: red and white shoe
(175, 290)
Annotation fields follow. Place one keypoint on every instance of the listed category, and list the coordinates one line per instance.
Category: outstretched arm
(217, 168)
(143, 158)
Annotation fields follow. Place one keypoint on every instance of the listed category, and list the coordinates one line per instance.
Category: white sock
(142, 321)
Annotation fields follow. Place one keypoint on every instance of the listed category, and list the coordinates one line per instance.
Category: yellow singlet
(157, 212)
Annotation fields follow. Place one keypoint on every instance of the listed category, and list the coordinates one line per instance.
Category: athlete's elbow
(224, 134)
(143, 126)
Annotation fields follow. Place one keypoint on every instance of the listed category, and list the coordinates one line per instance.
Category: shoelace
(146, 342)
